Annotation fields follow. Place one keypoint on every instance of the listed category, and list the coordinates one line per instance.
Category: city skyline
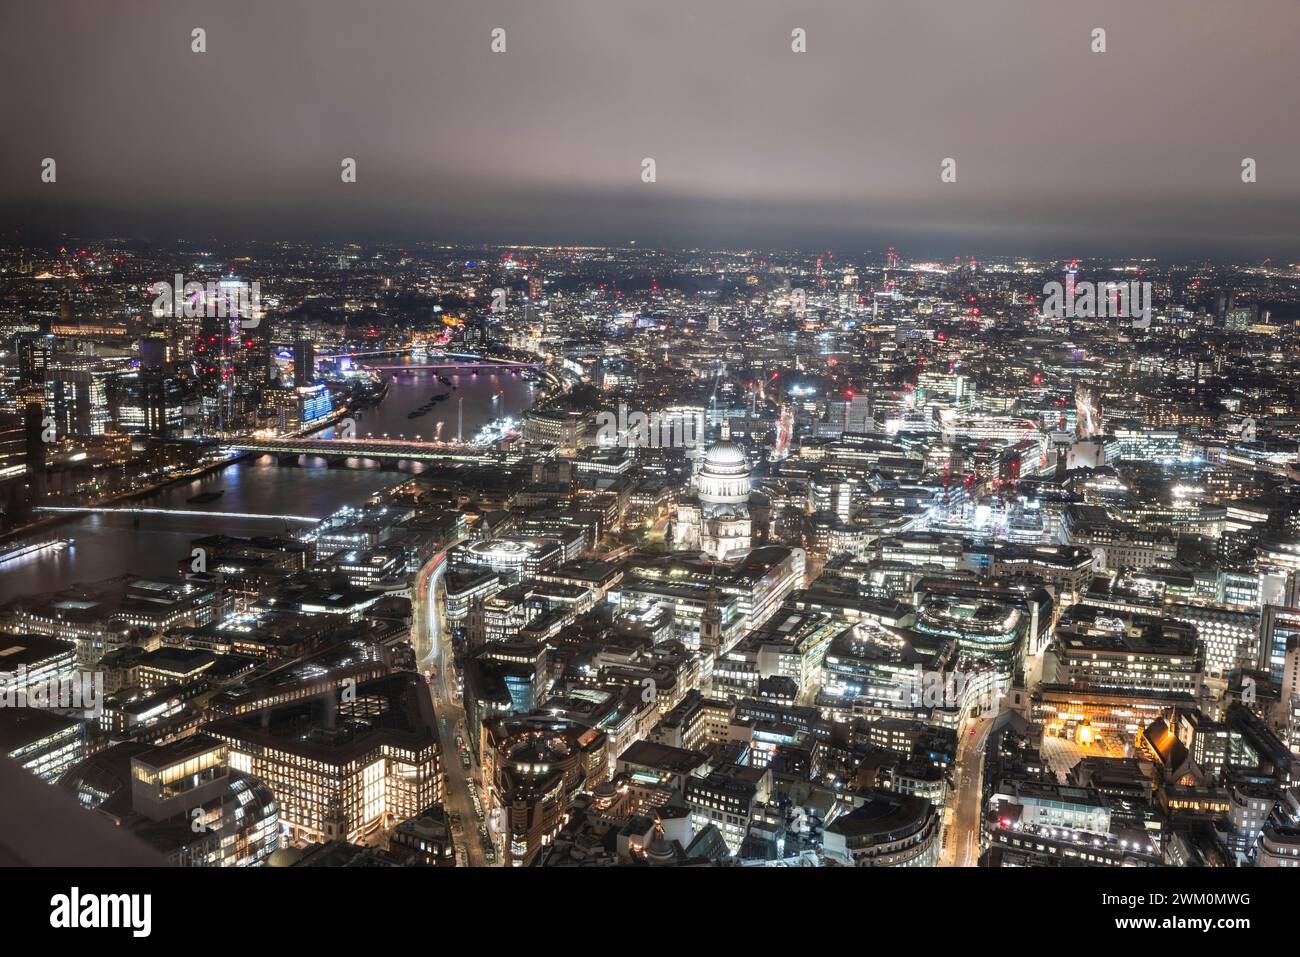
(914, 502)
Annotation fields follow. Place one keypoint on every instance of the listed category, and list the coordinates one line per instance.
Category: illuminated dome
(716, 519)
(726, 458)
(724, 477)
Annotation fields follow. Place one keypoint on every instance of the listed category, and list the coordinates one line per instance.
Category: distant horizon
(940, 126)
(906, 251)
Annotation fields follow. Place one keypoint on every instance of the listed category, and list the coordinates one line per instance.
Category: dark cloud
(1057, 148)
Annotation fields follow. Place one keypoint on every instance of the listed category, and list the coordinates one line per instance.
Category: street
(432, 645)
(961, 842)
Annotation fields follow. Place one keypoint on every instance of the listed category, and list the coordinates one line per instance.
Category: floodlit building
(716, 519)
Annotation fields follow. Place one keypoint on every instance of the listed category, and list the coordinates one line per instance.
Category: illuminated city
(367, 544)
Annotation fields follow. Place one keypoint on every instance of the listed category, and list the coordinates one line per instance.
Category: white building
(715, 520)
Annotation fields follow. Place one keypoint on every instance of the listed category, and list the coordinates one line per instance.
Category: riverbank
(52, 519)
(106, 545)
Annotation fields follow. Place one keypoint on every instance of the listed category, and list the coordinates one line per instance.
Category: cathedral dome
(716, 519)
(724, 477)
(726, 458)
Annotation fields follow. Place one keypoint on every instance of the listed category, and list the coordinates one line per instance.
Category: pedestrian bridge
(367, 448)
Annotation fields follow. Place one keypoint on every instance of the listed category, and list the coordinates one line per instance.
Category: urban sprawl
(672, 558)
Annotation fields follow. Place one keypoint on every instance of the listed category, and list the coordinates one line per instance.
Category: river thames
(105, 546)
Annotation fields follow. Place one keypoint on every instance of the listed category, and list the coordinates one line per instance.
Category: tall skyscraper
(304, 362)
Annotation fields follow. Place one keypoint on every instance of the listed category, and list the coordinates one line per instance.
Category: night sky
(1059, 150)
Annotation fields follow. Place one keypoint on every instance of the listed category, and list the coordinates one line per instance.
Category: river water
(105, 546)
